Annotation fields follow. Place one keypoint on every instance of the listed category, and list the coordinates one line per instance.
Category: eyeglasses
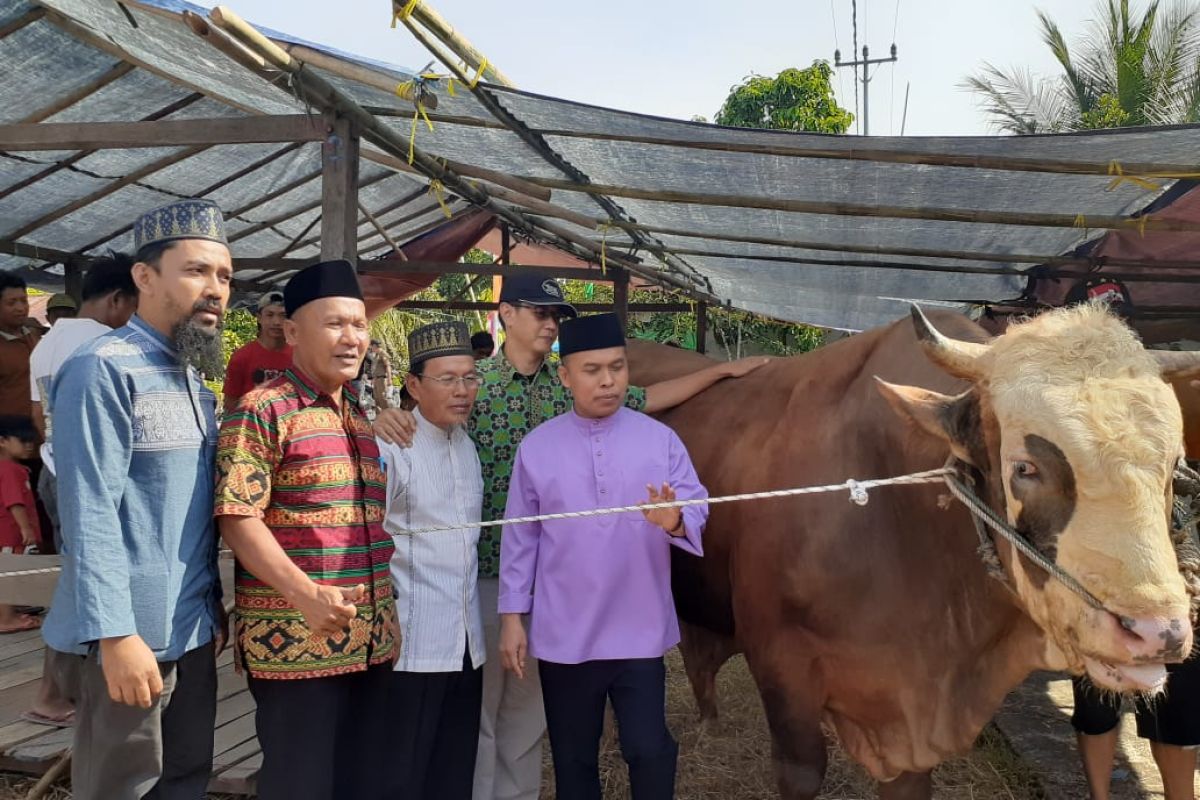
(543, 313)
(448, 381)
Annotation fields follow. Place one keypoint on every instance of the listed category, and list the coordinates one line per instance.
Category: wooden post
(505, 245)
(73, 278)
(339, 191)
(620, 294)
(701, 326)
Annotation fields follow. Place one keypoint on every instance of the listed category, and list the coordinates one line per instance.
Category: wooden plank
(339, 191)
(868, 210)
(121, 69)
(36, 755)
(66, 162)
(20, 731)
(106, 190)
(239, 779)
(160, 133)
(21, 669)
(28, 18)
(621, 295)
(10, 648)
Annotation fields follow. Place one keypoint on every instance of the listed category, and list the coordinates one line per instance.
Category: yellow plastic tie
(1115, 169)
(483, 65)
(1141, 224)
(412, 136)
(1080, 221)
(405, 12)
(438, 190)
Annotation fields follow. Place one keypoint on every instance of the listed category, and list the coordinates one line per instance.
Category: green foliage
(794, 100)
(1132, 70)
(241, 327)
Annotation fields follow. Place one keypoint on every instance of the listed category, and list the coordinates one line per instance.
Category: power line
(837, 46)
(854, 54)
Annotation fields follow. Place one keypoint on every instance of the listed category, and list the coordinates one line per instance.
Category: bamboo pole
(352, 72)
(444, 31)
(315, 89)
(539, 146)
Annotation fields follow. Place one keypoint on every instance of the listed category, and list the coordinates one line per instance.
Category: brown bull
(882, 620)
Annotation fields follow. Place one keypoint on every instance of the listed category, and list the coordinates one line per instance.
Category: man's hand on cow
(744, 366)
(131, 671)
(669, 519)
(395, 426)
(328, 610)
(514, 644)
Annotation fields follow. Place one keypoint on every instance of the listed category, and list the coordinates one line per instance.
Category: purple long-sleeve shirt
(596, 587)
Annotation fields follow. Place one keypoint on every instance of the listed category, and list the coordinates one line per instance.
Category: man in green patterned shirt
(520, 390)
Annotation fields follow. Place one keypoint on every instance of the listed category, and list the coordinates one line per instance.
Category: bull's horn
(959, 358)
(1177, 364)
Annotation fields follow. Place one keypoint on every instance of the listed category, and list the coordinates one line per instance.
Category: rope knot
(858, 494)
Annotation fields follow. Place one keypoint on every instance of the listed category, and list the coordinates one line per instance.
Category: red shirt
(15, 491)
(239, 375)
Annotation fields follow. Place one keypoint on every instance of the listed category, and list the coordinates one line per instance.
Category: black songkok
(596, 332)
(327, 279)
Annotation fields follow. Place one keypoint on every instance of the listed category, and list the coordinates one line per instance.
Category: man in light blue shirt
(140, 596)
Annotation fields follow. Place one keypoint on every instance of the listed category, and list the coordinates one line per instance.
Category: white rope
(857, 489)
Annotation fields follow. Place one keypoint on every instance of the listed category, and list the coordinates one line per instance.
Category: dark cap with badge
(439, 339)
(595, 332)
(535, 289)
(183, 219)
(326, 279)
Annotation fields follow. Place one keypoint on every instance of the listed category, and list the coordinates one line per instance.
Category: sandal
(24, 623)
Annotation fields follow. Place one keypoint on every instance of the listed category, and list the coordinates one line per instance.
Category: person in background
(134, 452)
(19, 530)
(438, 684)
(60, 306)
(521, 389)
(598, 590)
(109, 300)
(269, 353)
(300, 500)
(17, 340)
(381, 375)
(482, 344)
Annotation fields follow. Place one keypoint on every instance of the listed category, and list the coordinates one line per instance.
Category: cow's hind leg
(909, 786)
(792, 698)
(704, 652)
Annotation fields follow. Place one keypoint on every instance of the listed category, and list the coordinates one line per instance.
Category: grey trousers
(164, 752)
(508, 765)
(47, 490)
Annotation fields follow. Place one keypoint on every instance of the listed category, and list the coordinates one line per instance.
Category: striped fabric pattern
(287, 456)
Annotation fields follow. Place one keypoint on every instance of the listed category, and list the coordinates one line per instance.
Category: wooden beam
(701, 327)
(207, 190)
(620, 280)
(482, 173)
(21, 136)
(339, 190)
(15, 24)
(121, 69)
(634, 308)
(454, 40)
(396, 267)
(105, 191)
(183, 102)
(371, 234)
(826, 208)
(295, 212)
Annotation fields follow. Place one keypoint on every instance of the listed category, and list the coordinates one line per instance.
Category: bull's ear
(952, 418)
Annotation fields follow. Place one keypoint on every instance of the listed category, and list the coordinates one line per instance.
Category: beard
(201, 347)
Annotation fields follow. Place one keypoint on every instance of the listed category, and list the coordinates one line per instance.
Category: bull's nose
(1157, 639)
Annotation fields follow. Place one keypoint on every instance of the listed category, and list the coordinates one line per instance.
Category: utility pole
(866, 63)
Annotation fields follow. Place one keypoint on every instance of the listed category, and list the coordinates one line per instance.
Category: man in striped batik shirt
(437, 687)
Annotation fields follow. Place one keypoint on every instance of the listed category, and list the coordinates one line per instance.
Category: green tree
(794, 100)
(1133, 69)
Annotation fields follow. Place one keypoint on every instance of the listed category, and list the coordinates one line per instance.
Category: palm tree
(1132, 70)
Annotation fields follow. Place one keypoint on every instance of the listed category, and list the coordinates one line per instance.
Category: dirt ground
(732, 760)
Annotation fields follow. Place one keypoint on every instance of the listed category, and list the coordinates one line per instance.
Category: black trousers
(324, 738)
(435, 730)
(575, 696)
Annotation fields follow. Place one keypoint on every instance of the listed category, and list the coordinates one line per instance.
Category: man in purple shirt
(598, 589)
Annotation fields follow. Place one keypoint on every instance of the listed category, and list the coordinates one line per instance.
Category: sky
(679, 58)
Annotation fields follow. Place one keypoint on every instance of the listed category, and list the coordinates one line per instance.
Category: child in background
(19, 530)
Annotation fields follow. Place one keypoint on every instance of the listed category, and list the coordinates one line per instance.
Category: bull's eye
(1024, 469)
